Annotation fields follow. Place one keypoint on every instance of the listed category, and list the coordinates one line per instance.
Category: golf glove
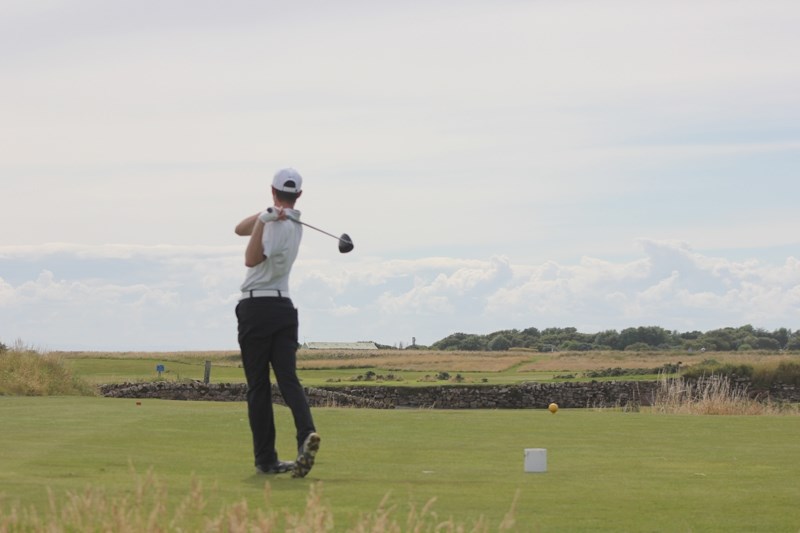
(269, 214)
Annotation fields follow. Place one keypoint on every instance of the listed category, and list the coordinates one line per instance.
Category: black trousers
(268, 338)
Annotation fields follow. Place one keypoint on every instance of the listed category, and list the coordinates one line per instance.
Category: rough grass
(194, 356)
(763, 373)
(713, 395)
(26, 372)
(787, 372)
(598, 360)
(428, 361)
(143, 509)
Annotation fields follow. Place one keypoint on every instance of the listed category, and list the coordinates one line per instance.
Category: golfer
(268, 327)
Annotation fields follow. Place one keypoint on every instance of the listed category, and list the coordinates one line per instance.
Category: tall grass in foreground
(713, 395)
(143, 510)
(25, 371)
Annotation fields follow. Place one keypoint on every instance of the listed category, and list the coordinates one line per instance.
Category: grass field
(409, 367)
(414, 368)
(607, 470)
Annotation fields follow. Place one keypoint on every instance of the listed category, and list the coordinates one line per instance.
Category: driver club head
(345, 243)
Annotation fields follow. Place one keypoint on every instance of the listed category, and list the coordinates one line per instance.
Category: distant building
(339, 346)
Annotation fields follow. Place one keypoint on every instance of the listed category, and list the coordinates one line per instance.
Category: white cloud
(184, 299)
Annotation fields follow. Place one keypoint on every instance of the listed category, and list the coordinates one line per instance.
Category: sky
(498, 165)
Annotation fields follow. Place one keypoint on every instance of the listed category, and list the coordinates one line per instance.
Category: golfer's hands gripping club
(271, 214)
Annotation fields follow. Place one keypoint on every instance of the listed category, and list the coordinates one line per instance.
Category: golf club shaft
(319, 230)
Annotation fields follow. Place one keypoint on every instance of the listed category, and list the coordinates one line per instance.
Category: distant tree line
(641, 338)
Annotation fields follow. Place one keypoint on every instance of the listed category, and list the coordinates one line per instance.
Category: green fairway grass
(607, 470)
(119, 369)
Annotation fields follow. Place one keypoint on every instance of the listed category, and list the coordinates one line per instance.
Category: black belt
(264, 293)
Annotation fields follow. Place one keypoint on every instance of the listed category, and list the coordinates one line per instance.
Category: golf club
(345, 242)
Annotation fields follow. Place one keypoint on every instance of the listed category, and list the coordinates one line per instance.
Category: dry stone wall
(228, 392)
(524, 396)
(528, 396)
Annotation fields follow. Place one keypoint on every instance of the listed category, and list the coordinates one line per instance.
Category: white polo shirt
(281, 242)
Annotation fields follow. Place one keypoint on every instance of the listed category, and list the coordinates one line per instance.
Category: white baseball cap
(288, 180)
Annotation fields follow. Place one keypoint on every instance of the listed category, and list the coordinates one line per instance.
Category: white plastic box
(535, 459)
